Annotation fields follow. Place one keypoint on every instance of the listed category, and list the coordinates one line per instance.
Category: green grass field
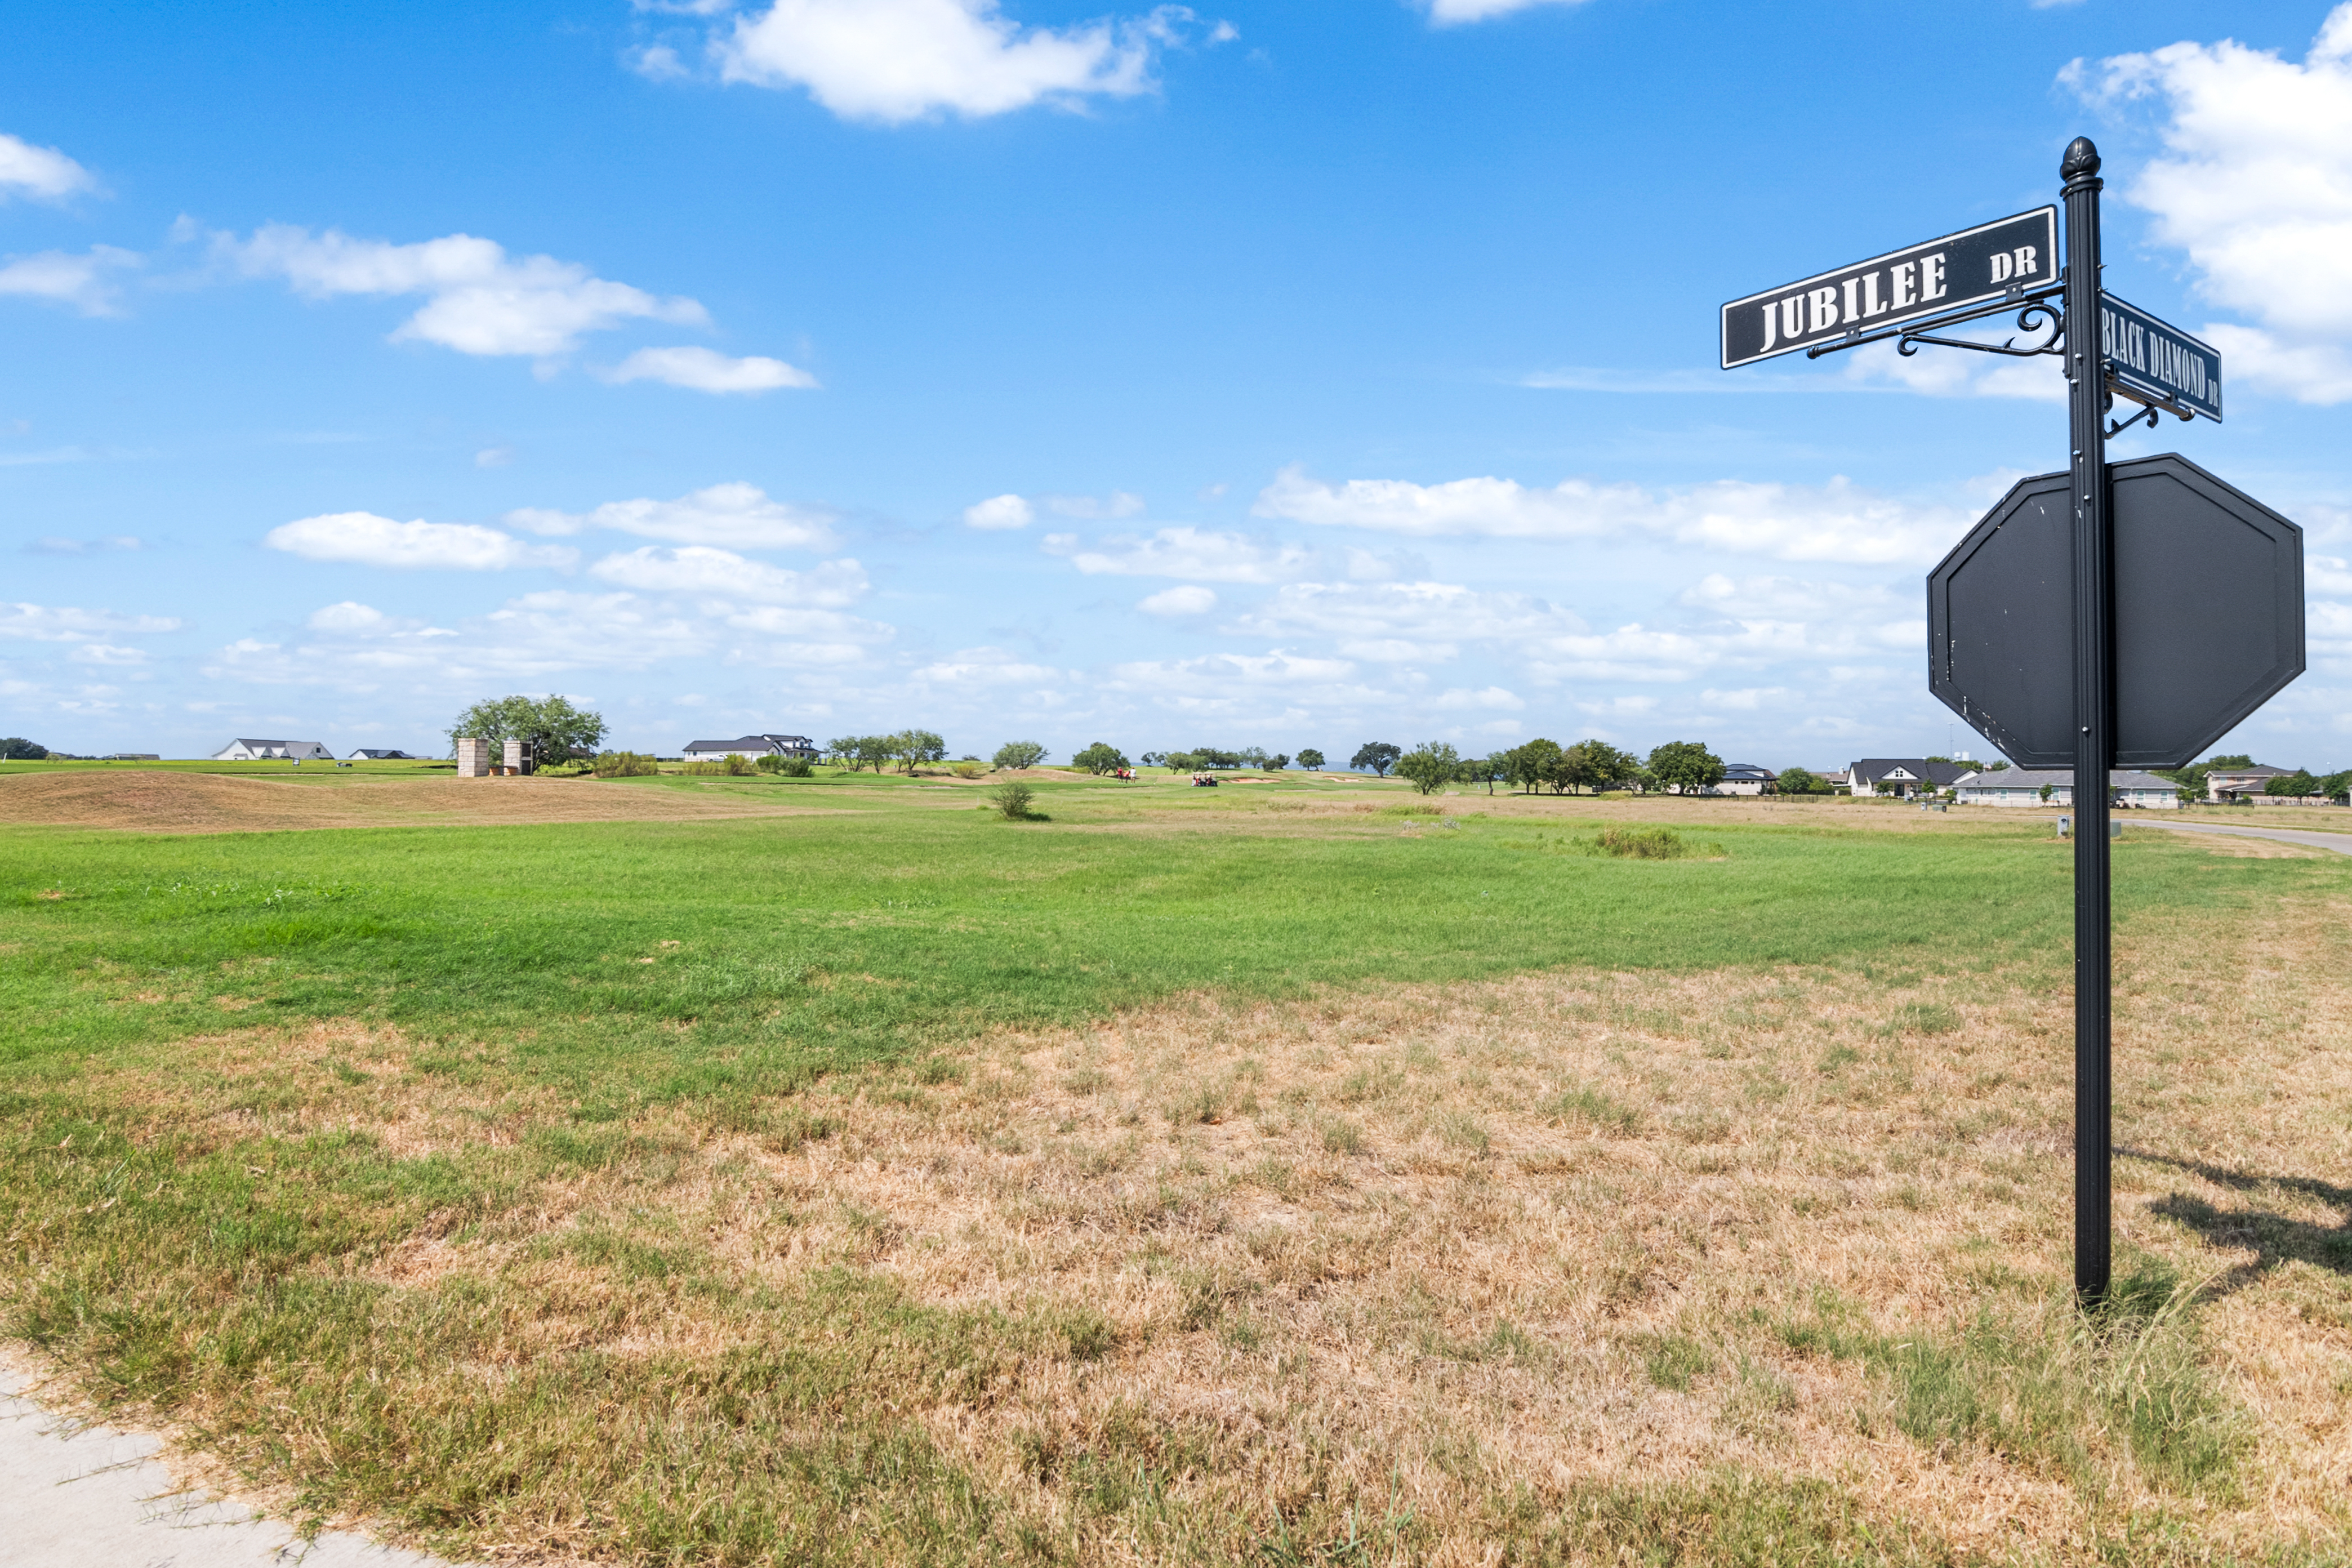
(198, 1227)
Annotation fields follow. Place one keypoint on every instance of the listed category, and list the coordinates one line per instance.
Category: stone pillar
(517, 759)
(473, 757)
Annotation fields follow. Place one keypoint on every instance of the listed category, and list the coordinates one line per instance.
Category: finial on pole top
(2082, 160)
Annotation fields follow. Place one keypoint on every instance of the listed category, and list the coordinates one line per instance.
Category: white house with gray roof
(753, 746)
(2023, 786)
(244, 751)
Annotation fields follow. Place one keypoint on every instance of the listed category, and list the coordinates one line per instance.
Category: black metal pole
(2095, 717)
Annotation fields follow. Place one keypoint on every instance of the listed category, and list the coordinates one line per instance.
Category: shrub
(1013, 799)
(968, 770)
(734, 764)
(623, 765)
(1648, 844)
(786, 767)
(1018, 755)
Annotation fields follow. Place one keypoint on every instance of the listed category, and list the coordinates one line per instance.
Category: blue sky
(1294, 374)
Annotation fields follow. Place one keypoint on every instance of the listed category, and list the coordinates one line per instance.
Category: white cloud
(43, 623)
(707, 370)
(350, 616)
(1831, 523)
(2256, 186)
(1186, 552)
(998, 512)
(42, 172)
(107, 654)
(371, 540)
(494, 457)
(986, 667)
(897, 60)
(1118, 504)
(724, 574)
(1186, 600)
(1213, 672)
(656, 62)
(1491, 699)
(1943, 372)
(2327, 574)
(480, 301)
(1447, 12)
(731, 516)
(529, 638)
(1747, 699)
(796, 638)
(80, 281)
(1411, 620)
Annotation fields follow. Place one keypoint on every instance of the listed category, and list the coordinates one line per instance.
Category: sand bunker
(159, 801)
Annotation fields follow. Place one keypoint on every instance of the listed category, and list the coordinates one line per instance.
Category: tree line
(1589, 766)
(904, 749)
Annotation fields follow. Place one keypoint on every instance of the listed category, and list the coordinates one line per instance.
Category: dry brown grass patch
(167, 801)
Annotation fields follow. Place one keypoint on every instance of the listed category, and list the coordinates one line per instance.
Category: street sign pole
(2095, 714)
(2056, 639)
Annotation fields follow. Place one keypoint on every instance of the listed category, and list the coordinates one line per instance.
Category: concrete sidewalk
(94, 1498)
(2339, 842)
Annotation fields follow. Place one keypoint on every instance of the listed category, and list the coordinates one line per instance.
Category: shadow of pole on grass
(2276, 1238)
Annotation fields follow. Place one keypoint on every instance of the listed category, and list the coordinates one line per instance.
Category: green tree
(556, 731)
(16, 748)
(1376, 756)
(871, 751)
(1276, 762)
(1018, 755)
(1799, 781)
(1310, 759)
(908, 747)
(1100, 758)
(1489, 770)
(2338, 786)
(1431, 766)
(1532, 764)
(2296, 784)
(1153, 759)
(1685, 767)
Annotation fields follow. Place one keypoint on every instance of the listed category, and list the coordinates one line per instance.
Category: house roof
(254, 745)
(2259, 771)
(2064, 778)
(1747, 771)
(1871, 769)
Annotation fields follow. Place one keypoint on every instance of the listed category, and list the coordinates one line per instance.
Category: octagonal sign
(2209, 615)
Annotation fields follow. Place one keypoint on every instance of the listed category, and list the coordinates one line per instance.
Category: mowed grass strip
(843, 1230)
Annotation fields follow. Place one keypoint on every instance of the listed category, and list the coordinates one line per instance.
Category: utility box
(473, 757)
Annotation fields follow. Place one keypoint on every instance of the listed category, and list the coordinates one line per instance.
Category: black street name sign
(1964, 268)
(2150, 361)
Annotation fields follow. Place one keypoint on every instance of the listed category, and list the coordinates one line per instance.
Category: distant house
(280, 751)
(1903, 776)
(753, 746)
(1836, 778)
(1744, 778)
(2231, 786)
(369, 754)
(131, 757)
(2023, 787)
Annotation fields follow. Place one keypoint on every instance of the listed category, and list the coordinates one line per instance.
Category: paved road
(95, 1497)
(2339, 842)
